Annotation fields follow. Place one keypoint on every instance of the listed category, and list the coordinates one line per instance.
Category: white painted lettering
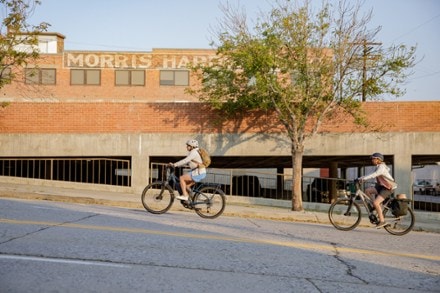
(145, 61)
(91, 60)
(134, 60)
(107, 61)
(121, 61)
(73, 61)
(184, 61)
(199, 60)
(169, 62)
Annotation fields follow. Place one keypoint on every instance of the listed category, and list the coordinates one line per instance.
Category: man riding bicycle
(384, 187)
(194, 161)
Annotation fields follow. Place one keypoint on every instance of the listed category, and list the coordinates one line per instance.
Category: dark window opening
(109, 171)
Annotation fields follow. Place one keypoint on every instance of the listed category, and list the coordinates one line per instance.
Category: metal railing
(250, 183)
(279, 186)
(427, 195)
(246, 183)
(109, 171)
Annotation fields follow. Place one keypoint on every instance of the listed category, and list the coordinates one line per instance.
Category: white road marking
(63, 261)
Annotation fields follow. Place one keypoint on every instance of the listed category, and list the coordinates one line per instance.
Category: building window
(130, 77)
(5, 74)
(85, 77)
(45, 76)
(174, 77)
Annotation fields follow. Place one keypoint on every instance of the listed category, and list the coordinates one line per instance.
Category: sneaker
(381, 224)
(181, 197)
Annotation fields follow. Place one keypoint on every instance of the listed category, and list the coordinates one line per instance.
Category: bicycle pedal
(186, 204)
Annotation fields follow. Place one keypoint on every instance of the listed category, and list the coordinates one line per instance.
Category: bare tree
(301, 64)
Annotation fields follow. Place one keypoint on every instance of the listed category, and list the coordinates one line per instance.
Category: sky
(141, 25)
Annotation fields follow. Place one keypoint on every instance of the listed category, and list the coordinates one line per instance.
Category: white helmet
(193, 143)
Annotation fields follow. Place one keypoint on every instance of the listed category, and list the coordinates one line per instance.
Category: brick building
(118, 112)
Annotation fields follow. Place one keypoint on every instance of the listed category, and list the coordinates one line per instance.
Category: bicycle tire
(209, 202)
(158, 197)
(344, 214)
(399, 225)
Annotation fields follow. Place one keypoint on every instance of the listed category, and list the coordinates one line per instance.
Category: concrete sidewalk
(235, 206)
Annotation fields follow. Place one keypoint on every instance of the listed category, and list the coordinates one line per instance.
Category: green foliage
(18, 39)
(305, 66)
(4, 104)
(302, 64)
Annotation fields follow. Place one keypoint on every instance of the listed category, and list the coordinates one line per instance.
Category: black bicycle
(206, 199)
(345, 213)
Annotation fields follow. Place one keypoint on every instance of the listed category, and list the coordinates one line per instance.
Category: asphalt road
(65, 247)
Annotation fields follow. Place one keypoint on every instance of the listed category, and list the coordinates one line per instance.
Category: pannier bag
(399, 207)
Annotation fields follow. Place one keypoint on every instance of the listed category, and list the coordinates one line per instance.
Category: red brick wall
(31, 117)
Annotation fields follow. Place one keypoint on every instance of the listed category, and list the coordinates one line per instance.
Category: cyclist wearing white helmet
(194, 161)
(384, 187)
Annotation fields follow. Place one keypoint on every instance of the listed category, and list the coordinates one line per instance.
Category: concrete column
(140, 164)
(139, 173)
(280, 180)
(402, 173)
(333, 183)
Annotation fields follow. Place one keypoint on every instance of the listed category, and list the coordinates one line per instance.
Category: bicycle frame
(174, 180)
(194, 189)
(207, 200)
(366, 200)
(345, 213)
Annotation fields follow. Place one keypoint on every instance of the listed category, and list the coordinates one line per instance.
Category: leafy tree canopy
(304, 64)
(18, 39)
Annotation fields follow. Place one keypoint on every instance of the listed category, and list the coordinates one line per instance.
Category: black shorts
(382, 191)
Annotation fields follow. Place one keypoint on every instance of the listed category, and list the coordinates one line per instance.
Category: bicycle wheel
(344, 214)
(209, 202)
(157, 197)
(399, 225)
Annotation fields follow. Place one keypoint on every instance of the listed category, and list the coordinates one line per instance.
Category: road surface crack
(48, 227)
(350, 268)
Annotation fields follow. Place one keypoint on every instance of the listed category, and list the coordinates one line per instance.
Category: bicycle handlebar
(357, 182)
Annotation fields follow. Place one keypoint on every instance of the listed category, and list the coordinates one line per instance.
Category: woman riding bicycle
(194, 161)
(384, 187)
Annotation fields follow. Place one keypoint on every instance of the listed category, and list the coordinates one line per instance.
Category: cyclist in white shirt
(194, 161)
(384, 187)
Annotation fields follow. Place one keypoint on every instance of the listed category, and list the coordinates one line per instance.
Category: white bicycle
(345, 212)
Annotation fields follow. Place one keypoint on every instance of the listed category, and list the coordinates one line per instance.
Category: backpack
(206, 158)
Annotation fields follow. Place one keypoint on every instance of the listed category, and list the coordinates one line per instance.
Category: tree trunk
(297, 157)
